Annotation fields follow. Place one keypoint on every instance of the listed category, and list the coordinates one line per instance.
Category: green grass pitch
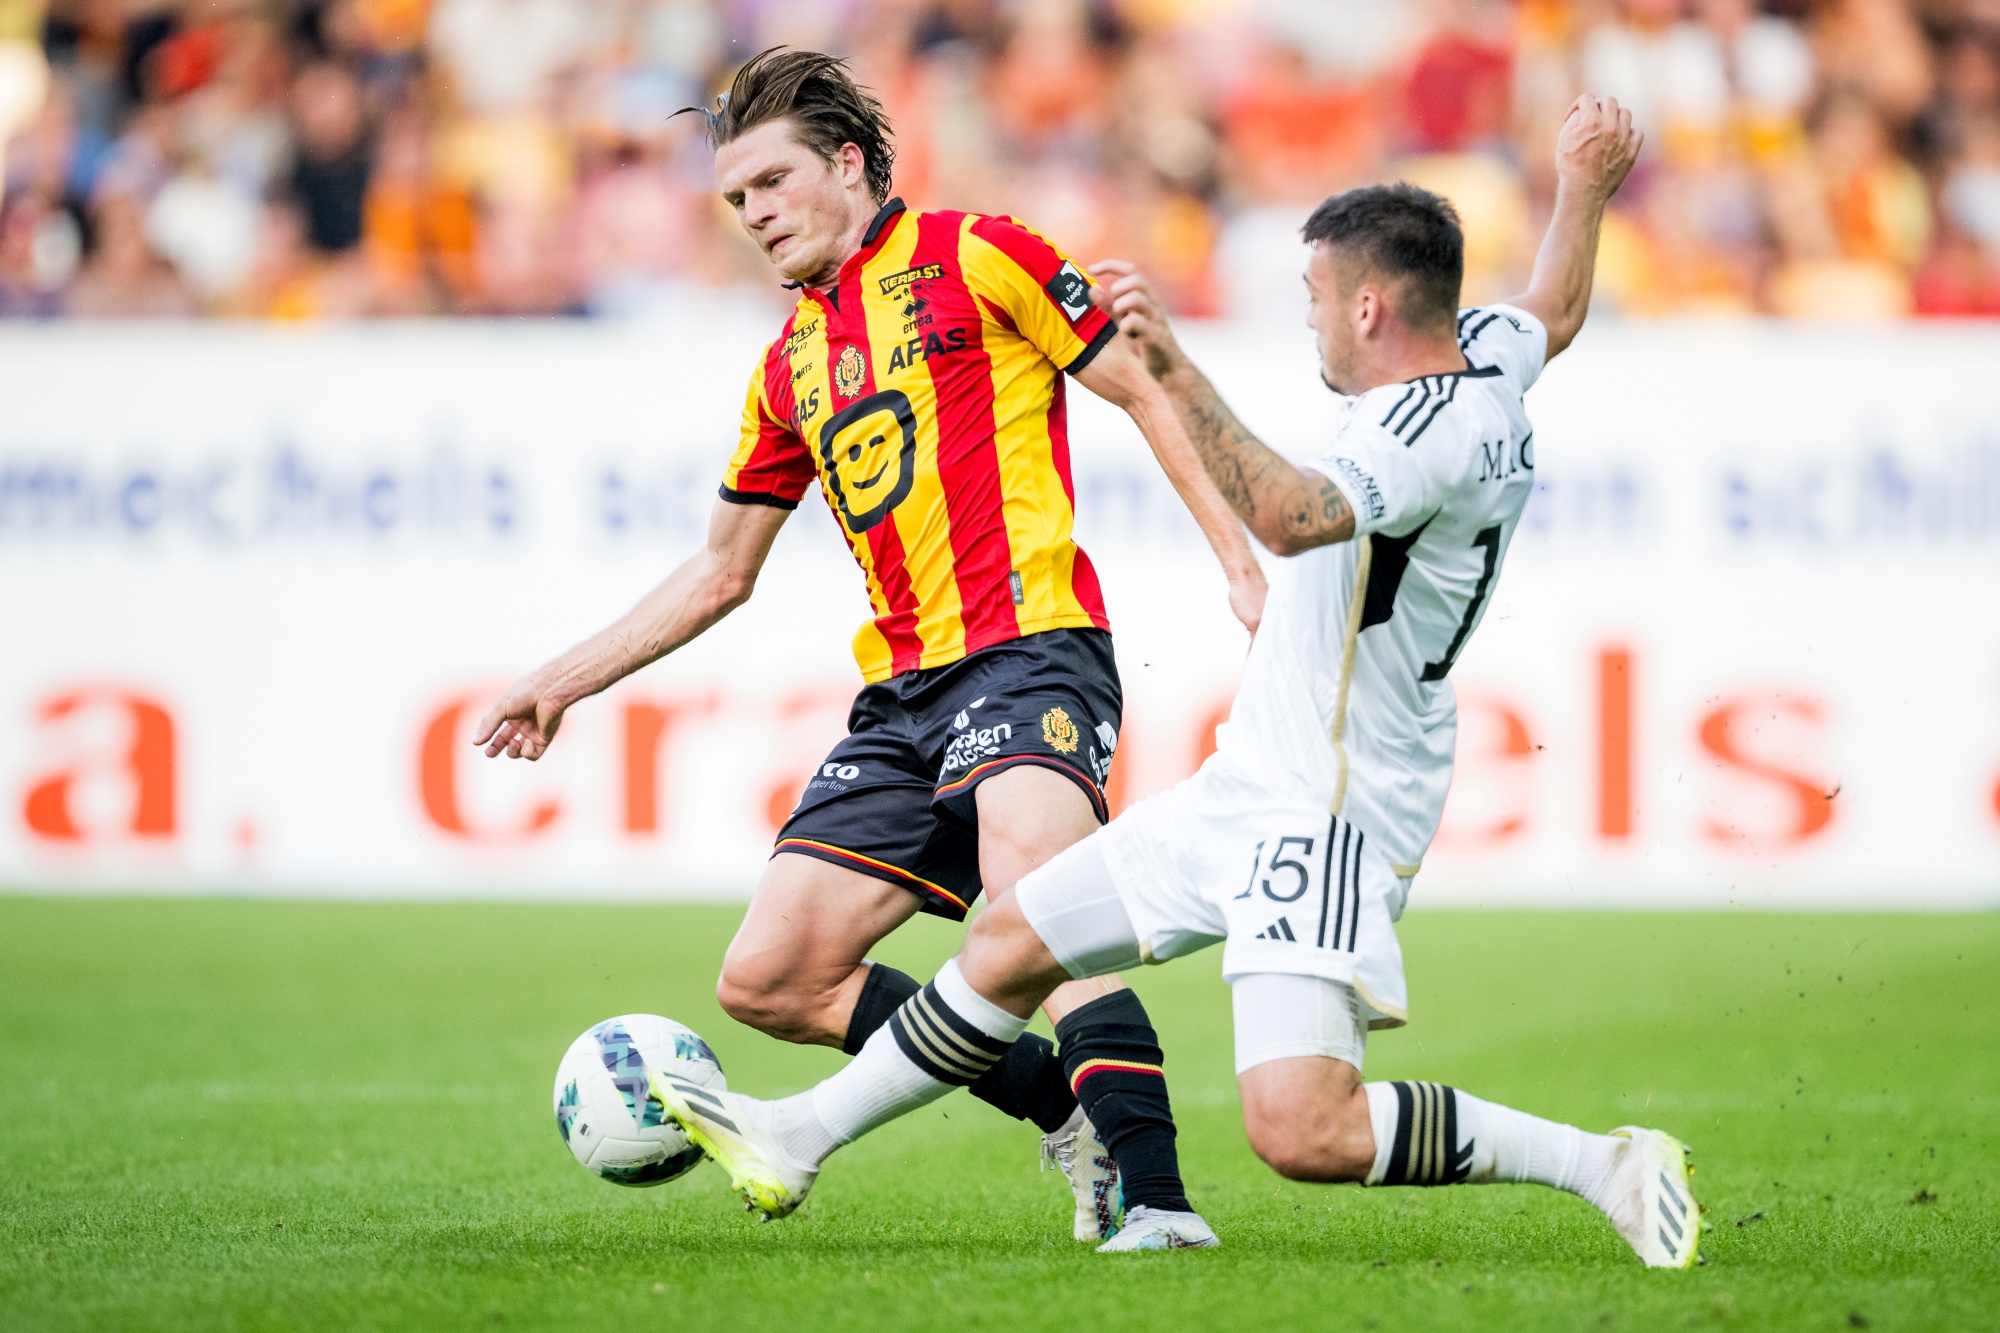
(243, 1115)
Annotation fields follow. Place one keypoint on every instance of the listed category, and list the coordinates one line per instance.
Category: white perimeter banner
(256, 586)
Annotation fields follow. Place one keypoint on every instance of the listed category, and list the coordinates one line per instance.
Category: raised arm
(1117, 375)
(708, 586)
(1594, 153)
(1289, 508)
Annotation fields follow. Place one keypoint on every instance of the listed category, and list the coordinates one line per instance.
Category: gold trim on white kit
(1356, 605)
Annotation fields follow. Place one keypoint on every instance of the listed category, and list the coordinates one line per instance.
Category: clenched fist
(1597, 147)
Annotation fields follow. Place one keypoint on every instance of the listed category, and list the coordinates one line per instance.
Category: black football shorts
(895, 799)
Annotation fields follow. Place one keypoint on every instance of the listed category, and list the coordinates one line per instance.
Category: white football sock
(956, 1034)
(1491, 1143)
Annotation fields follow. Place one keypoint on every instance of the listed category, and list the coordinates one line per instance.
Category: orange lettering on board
(797, 733)
(1811, 800)
(646, 726)
(1614, 743)
(437, 781)
(1493, 767)
(147, 766)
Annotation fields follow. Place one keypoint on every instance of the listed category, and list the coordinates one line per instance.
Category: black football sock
(1112, 1056)
(882, 994)
(1028, 1083)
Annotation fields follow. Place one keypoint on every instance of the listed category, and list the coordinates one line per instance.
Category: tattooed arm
(1118, 376)
(1288, 508)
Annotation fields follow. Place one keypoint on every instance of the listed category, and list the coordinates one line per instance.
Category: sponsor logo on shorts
(968, 748)
(1060, 732)
(1100, 759)
(834, 777)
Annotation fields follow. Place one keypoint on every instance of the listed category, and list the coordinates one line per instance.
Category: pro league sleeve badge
(1070, 291)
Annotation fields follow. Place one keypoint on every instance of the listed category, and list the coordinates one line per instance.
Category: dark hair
(816, 94)
(1404, 234)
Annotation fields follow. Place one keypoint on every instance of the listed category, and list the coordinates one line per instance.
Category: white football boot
(735, 1132)
(1154, 1229)
(1086, 1163)
(1649, 1200)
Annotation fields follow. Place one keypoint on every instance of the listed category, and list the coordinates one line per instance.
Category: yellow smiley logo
(868, 451)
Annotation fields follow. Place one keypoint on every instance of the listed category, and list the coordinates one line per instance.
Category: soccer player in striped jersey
(921, 383)
(1296, 844)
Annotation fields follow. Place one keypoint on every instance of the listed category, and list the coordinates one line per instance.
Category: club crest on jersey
(1070, 291)
(1060, 732)
(850, 371)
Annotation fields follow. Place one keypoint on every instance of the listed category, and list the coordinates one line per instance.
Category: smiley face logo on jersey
(868, 451)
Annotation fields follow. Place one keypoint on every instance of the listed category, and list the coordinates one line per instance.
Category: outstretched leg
(961, 1025)
(798, 970)
(1310, 1117)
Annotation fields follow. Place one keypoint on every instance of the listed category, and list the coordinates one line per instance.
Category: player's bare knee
(1005, 960)
(995, 941)
(1288, 1146)
(767, 1002)
(1026, 815)
(1309, 1138)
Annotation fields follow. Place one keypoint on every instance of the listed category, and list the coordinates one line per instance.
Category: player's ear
(852, 163)
(1367, 309)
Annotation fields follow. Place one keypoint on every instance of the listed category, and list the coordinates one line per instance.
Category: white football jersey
(1346, 692)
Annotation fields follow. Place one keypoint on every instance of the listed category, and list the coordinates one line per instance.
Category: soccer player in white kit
(1296, 844)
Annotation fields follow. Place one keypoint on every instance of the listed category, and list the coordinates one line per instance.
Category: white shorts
(1076, 908)
(1282, 1016)
(1283, 886)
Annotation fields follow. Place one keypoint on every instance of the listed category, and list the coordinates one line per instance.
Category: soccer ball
(606, 1110)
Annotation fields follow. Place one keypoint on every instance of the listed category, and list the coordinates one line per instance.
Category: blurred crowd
(301, 159)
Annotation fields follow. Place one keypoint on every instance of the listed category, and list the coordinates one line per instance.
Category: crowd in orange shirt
(301, 159)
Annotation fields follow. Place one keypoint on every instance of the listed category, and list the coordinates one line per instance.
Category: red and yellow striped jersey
(925, 391)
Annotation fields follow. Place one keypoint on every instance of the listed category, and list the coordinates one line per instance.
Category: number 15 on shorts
(1309, 886)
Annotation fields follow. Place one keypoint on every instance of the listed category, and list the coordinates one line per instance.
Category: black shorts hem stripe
(991, 767)
(942, 899)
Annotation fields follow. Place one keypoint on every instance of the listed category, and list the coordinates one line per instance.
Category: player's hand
(1597, 146)
(523, 723)
(1124, 294)
(1246, 599)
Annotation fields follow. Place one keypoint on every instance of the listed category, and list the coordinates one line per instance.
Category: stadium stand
(295, 160)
